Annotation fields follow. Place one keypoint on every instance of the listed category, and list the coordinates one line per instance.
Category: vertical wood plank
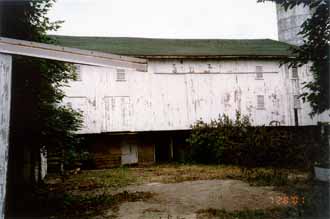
(5, 95)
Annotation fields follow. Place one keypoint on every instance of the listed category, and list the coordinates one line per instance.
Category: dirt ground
(170, 192)
(184, 199)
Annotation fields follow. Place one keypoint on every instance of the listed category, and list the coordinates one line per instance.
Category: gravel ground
(182, 200)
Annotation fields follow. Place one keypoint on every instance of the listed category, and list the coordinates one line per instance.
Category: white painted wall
(5, 94)
(174, 94)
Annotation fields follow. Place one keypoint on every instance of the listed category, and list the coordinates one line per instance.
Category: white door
(129, 153)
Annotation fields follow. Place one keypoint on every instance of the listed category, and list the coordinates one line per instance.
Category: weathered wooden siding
(5, 95)
(115, 150)
(146, 154)
(106, 151)
(173, 94)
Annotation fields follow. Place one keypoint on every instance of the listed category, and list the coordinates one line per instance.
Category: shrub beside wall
(236, 142)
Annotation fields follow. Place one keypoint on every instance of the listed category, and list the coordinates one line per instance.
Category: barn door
(117, 113)
(129, 153)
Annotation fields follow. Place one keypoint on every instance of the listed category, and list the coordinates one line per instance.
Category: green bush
(236, 142)
(78, 156)
(215, 142)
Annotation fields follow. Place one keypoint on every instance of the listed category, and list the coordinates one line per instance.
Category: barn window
(296, 102)
(259, 72)
(260, 102)
(294, 72)
(121, 76)
(191, 69)
(78, 73)
(174, 69)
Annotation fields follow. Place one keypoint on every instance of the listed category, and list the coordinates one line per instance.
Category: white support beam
(5, 95)
(72, 55)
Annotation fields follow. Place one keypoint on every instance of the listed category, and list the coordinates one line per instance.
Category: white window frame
(259, 73)
(78, 73)
(174, 70)
(260, 102)
(294, 73)
(121, 74)
(296, 102)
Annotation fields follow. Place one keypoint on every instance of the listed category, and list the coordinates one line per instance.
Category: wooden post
(171, 149)
(296, 122)
(5, 95)
(320, 194)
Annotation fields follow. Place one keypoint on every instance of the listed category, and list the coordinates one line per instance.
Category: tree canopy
(314, 51)
(39, 117)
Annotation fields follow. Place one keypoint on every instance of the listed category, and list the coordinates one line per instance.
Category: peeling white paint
(174, 94)
(5, 95)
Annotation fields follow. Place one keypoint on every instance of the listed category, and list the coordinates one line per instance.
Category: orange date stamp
(292, 200)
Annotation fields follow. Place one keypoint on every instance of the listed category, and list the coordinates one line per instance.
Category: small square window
(294, 72)
(296, 102)
(259, 72)
(174, 68)
(78, 73)
(121, 76)
(260, 102)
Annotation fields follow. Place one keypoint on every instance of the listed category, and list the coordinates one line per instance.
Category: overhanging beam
(72, 55)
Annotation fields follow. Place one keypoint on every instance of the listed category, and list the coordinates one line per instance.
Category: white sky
(167, 18)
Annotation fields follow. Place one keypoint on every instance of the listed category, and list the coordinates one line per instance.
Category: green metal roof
(145, 47)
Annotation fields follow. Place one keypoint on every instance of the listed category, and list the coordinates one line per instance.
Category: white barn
(186, 80)
(178, 89)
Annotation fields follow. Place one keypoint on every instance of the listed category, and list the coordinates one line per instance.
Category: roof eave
(212, 56)
(67, 54)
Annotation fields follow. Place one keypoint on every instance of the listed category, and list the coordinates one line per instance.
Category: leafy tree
(315, 50)
(38, 118)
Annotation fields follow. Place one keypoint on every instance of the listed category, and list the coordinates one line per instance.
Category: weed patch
(92, 179)
(75, 206)
(256, 176)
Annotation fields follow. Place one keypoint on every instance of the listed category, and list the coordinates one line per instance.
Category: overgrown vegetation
(214, 142)
(39, 120)
(77, 156)
(93, 205)
(38, 84)
(93, 179)
(236, 142)
(256, 176)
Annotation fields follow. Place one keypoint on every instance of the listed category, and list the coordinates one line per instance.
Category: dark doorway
(163, 152)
